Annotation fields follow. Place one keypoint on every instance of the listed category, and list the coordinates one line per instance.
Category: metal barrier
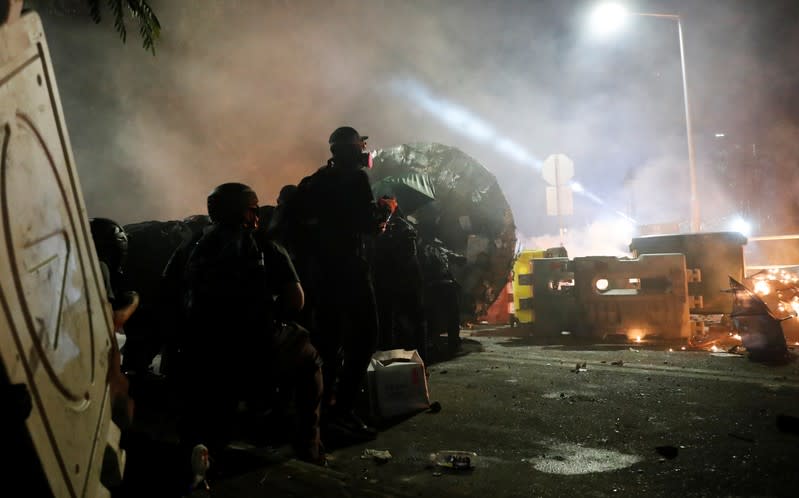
(523, 285)
(716, 255)
(781, 254)
(553, 287)
(639, 298)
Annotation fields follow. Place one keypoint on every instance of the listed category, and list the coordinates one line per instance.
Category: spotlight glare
(608, 18)
(741, 226)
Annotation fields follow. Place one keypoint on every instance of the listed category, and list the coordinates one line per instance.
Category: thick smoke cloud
(249, 90)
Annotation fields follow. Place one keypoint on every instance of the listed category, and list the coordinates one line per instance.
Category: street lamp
(609, 17)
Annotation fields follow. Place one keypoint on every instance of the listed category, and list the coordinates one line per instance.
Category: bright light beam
(463, 121)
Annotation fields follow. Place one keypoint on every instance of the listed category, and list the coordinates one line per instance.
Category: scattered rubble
(580, 367)
(379, 456)
(740, 437)
(457, 460)
(435, 407)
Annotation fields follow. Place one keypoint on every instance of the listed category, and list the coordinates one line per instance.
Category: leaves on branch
(149, 27)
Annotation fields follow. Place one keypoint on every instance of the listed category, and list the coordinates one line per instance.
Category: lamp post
(609, 17)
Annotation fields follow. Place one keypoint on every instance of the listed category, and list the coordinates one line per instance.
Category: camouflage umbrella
(469, 212)
(412, 190)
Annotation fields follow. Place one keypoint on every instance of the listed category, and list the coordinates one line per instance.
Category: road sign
(560, 201)
(557, 169)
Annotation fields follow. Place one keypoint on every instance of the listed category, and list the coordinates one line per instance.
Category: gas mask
(366, 159)
(352, 156)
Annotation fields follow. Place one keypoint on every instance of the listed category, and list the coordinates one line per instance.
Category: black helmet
(346, 135)
(110, 242)
(286, 193)
(228, 202)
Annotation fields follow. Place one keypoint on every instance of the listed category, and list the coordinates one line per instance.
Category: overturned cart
(650, 295)
(601, 297)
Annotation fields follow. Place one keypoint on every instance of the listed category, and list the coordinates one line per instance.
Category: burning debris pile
(764, 320)
(779, 290)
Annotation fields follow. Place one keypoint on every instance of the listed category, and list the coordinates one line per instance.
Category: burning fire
(784, 285)
(715, 349)
(762, 287)
(737, 337)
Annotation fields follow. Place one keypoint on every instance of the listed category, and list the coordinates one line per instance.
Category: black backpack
(434, 263)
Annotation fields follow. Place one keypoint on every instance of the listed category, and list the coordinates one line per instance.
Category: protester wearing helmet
(338, 211)
(111, 246)
(231, 345)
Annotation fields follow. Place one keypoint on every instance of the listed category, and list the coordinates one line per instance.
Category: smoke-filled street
(661, 424)
(248, 90)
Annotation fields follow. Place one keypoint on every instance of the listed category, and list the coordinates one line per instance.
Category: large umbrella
(412, 190)
(470, 213)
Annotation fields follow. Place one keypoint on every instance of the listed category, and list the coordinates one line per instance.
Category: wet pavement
(637, 420)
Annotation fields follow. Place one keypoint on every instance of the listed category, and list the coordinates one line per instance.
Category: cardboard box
(397, 383)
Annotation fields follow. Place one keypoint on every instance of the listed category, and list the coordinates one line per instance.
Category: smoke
(609, 237)
(248, 90)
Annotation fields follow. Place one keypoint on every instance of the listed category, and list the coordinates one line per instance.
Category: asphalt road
(660, 424)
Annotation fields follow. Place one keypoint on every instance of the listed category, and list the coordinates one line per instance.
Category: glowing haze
(250, 90)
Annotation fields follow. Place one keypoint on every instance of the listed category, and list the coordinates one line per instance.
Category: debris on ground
(458, 460)
(435, 407)
(618, 363)
(740, 437)
(580, 367)
(380, 456)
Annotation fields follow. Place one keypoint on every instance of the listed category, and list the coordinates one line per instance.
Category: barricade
(523, 285)
(713, 259)
(555, 305)
(641, 298)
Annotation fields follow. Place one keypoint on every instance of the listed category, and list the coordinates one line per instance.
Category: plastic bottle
(460, 460)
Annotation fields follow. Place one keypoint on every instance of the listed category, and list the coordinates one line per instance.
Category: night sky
(249, 91)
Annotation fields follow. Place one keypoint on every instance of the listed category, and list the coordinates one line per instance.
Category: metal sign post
(557, 170)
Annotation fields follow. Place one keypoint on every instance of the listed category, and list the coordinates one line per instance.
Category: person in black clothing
(441, 291)
(279, 224)
(231, 346)
(398, 287)
(111, 246)
(335, 211)
(276, 223)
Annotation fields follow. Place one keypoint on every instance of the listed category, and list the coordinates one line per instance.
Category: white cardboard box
(397, 383)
